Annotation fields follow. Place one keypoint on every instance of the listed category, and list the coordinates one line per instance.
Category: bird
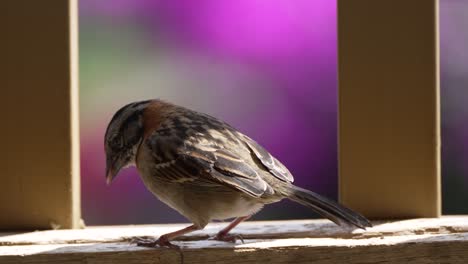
(205, 169)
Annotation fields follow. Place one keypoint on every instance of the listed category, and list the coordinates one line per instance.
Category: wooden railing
(441, 240)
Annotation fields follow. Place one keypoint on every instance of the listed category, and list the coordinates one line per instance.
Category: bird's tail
(332, 210)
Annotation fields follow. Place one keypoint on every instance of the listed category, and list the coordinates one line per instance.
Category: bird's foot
(232, 238)
(160, 242)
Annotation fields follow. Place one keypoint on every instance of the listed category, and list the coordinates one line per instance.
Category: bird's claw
(160, 242)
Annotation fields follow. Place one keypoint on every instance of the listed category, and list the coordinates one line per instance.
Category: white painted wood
(249, 230)
(248, 244)
(416, 240)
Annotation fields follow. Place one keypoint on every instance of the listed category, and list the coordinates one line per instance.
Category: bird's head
(123, 136)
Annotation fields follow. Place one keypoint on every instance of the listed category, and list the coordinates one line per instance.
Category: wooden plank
(389, 128)
(441, 240)
(434, 249)
(40, 172)
(249, 230)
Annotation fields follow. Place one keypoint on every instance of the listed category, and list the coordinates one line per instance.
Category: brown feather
(154, 115)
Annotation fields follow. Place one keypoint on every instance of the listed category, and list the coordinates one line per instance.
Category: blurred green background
(269, 70)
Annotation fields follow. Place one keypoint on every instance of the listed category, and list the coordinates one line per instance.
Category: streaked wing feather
(177, 171)
(192, 163)
(233, 166)
(273, 165)
(235, 174)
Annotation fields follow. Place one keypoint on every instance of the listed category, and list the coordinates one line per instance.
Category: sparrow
(204, 168)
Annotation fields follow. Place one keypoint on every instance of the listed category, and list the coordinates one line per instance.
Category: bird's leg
(223, 234)
(164, 240)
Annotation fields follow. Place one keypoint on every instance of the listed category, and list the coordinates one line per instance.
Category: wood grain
(443, 240)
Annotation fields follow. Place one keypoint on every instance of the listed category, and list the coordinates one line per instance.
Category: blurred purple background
(454, 99)
(268, 69)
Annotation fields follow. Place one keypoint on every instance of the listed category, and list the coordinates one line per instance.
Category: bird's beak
(109, 175)
(112, 169)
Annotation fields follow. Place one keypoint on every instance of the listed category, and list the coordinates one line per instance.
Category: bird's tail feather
(332, 210)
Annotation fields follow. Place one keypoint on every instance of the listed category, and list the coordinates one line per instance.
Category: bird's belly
(201, 204)
(229, 208)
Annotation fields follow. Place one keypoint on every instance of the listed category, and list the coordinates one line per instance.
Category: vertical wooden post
(389, 135)
(39, 179)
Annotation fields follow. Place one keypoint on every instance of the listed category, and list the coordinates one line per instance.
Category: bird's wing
(202, 161)
(273, 165)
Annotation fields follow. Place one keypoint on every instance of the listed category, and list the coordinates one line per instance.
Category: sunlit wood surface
(443, 240)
